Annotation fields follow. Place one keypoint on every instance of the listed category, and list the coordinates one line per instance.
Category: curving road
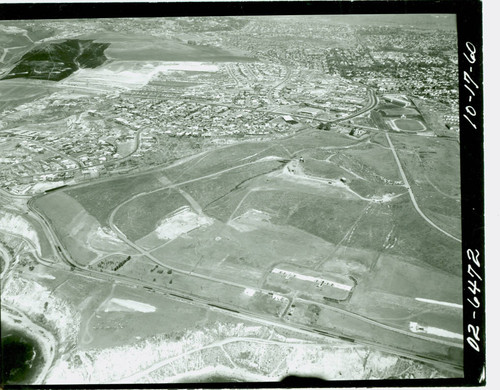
(198, 301)
(372, 102)
(412, 196)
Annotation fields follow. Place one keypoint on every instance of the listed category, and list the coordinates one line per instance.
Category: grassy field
(99, 199)
(350, 261)
(116, 328)
(140, 216)
(322, 216)
(353, 327)
(221, 159)
(409, 125)
(412, 280)
(71, 222)
(212, 189)
(245, 255)
(451, 224)
(400, 310)
(144, 270)
(414, 237)
(314, 139)
(370, 189)
(390, 296)
(380, 139)
(16, 92)
(433, 170)
(440, 160)
(325, 169)
(373, 228)
(375, 159)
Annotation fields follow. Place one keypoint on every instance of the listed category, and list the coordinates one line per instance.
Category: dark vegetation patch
(56, 61)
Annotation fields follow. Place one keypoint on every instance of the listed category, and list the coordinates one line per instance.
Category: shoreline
(204, 374)
(45, 340)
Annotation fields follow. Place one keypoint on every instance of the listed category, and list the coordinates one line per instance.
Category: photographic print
(240, 195)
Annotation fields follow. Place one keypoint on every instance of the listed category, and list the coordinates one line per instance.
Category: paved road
(265, 320)
(412, 196)
(372, 102)
(198, 301)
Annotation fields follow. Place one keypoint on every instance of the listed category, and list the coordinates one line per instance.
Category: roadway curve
(248, 316)
(199, 301)
(412, 196)
(372, 102)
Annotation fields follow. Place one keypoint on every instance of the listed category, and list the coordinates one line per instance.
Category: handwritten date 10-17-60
(470, 84)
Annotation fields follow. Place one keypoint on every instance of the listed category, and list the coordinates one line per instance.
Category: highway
(412, 196)
(372, 103)
(235, 311)
(324, 334)
(227, 309)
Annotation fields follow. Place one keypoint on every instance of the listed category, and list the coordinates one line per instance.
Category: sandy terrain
(250, 220)
(15, 224)
(117, 304)
(182, 221)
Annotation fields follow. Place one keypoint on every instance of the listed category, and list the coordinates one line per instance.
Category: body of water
(21, 356)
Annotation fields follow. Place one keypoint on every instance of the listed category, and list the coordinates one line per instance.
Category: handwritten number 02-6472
(474, 289)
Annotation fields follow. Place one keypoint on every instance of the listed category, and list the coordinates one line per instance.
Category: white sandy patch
(130, 74)
(44, 186)
(416, 328)
(117, 304)
(45, 276)
(271, 158)
(189, 66)
(103, 239)
(442, 303)
(182, 221)
(250, 220)
(250, 292)
(30, 297)
(106, 234)
(16, 224)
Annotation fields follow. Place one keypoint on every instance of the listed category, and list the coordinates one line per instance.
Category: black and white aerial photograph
(241, 198)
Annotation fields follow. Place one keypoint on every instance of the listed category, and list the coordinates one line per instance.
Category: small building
(289, 119)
